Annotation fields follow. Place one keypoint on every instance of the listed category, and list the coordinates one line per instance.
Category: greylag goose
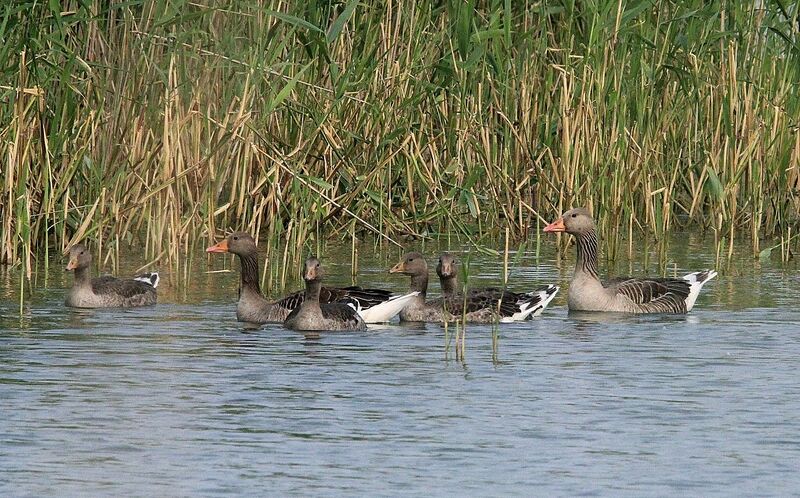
(375, 305)
(626, 295)
(311, 315)
(448, 279)
(106, 292)
(414, 265)
(484, 301)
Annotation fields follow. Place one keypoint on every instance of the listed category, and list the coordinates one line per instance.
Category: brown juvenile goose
(627, 295)
(106, 292)
(311, 315)
(483, 302)
(375, 305)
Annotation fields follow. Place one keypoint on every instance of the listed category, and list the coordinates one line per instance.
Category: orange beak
(556, 226)
(73, 263)
(398, 268)
(221, 247)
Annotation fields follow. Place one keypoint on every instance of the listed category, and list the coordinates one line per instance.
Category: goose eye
(236, 238)
(81, 253)
(574, 215)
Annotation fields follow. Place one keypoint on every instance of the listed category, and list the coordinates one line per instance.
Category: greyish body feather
(420, 311)
(480, 305)
(324, 316)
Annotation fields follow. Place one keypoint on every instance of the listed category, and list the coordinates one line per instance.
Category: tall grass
(161, 123)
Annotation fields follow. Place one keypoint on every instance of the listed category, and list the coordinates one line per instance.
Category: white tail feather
(387, 310)
(149, 278)
(533, 307)
(696, 281)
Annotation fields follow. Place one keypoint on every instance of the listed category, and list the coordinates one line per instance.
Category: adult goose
(483, 302)
(626, 295)
(313, 315)
(106, 292)
(375, 305)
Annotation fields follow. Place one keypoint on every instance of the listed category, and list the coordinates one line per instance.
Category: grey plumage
(655, 295)
(332, 316)
(480, 305)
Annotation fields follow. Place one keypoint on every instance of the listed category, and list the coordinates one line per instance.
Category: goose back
(366, 298)
(327, 316)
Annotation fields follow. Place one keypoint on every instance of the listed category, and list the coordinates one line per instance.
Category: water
(181, 400)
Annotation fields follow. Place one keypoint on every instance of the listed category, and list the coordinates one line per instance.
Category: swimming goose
(483, 302)
(375, 305)
(106, 292)
(414, 265)
(446, 270)
(311, 315)
(626, 295)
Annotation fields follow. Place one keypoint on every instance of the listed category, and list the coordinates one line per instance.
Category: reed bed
(165, 123)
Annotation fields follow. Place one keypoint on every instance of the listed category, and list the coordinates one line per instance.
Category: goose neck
(313, 289)
(587, 247)
(82, 276)
(249, 272)
(419, 283)
(449, 285)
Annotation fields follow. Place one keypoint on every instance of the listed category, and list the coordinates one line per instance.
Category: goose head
(239, 243)
(79, 257)
(412, 264)
(447, 266)
(576, 221)
(312, 270)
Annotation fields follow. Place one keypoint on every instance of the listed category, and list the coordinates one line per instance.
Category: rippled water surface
(181, 400)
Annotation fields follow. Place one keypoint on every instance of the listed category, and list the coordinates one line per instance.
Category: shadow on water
(180, 399)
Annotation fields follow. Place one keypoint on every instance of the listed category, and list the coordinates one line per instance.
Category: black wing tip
(548, 290)
(706, 275)
(700, 277)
